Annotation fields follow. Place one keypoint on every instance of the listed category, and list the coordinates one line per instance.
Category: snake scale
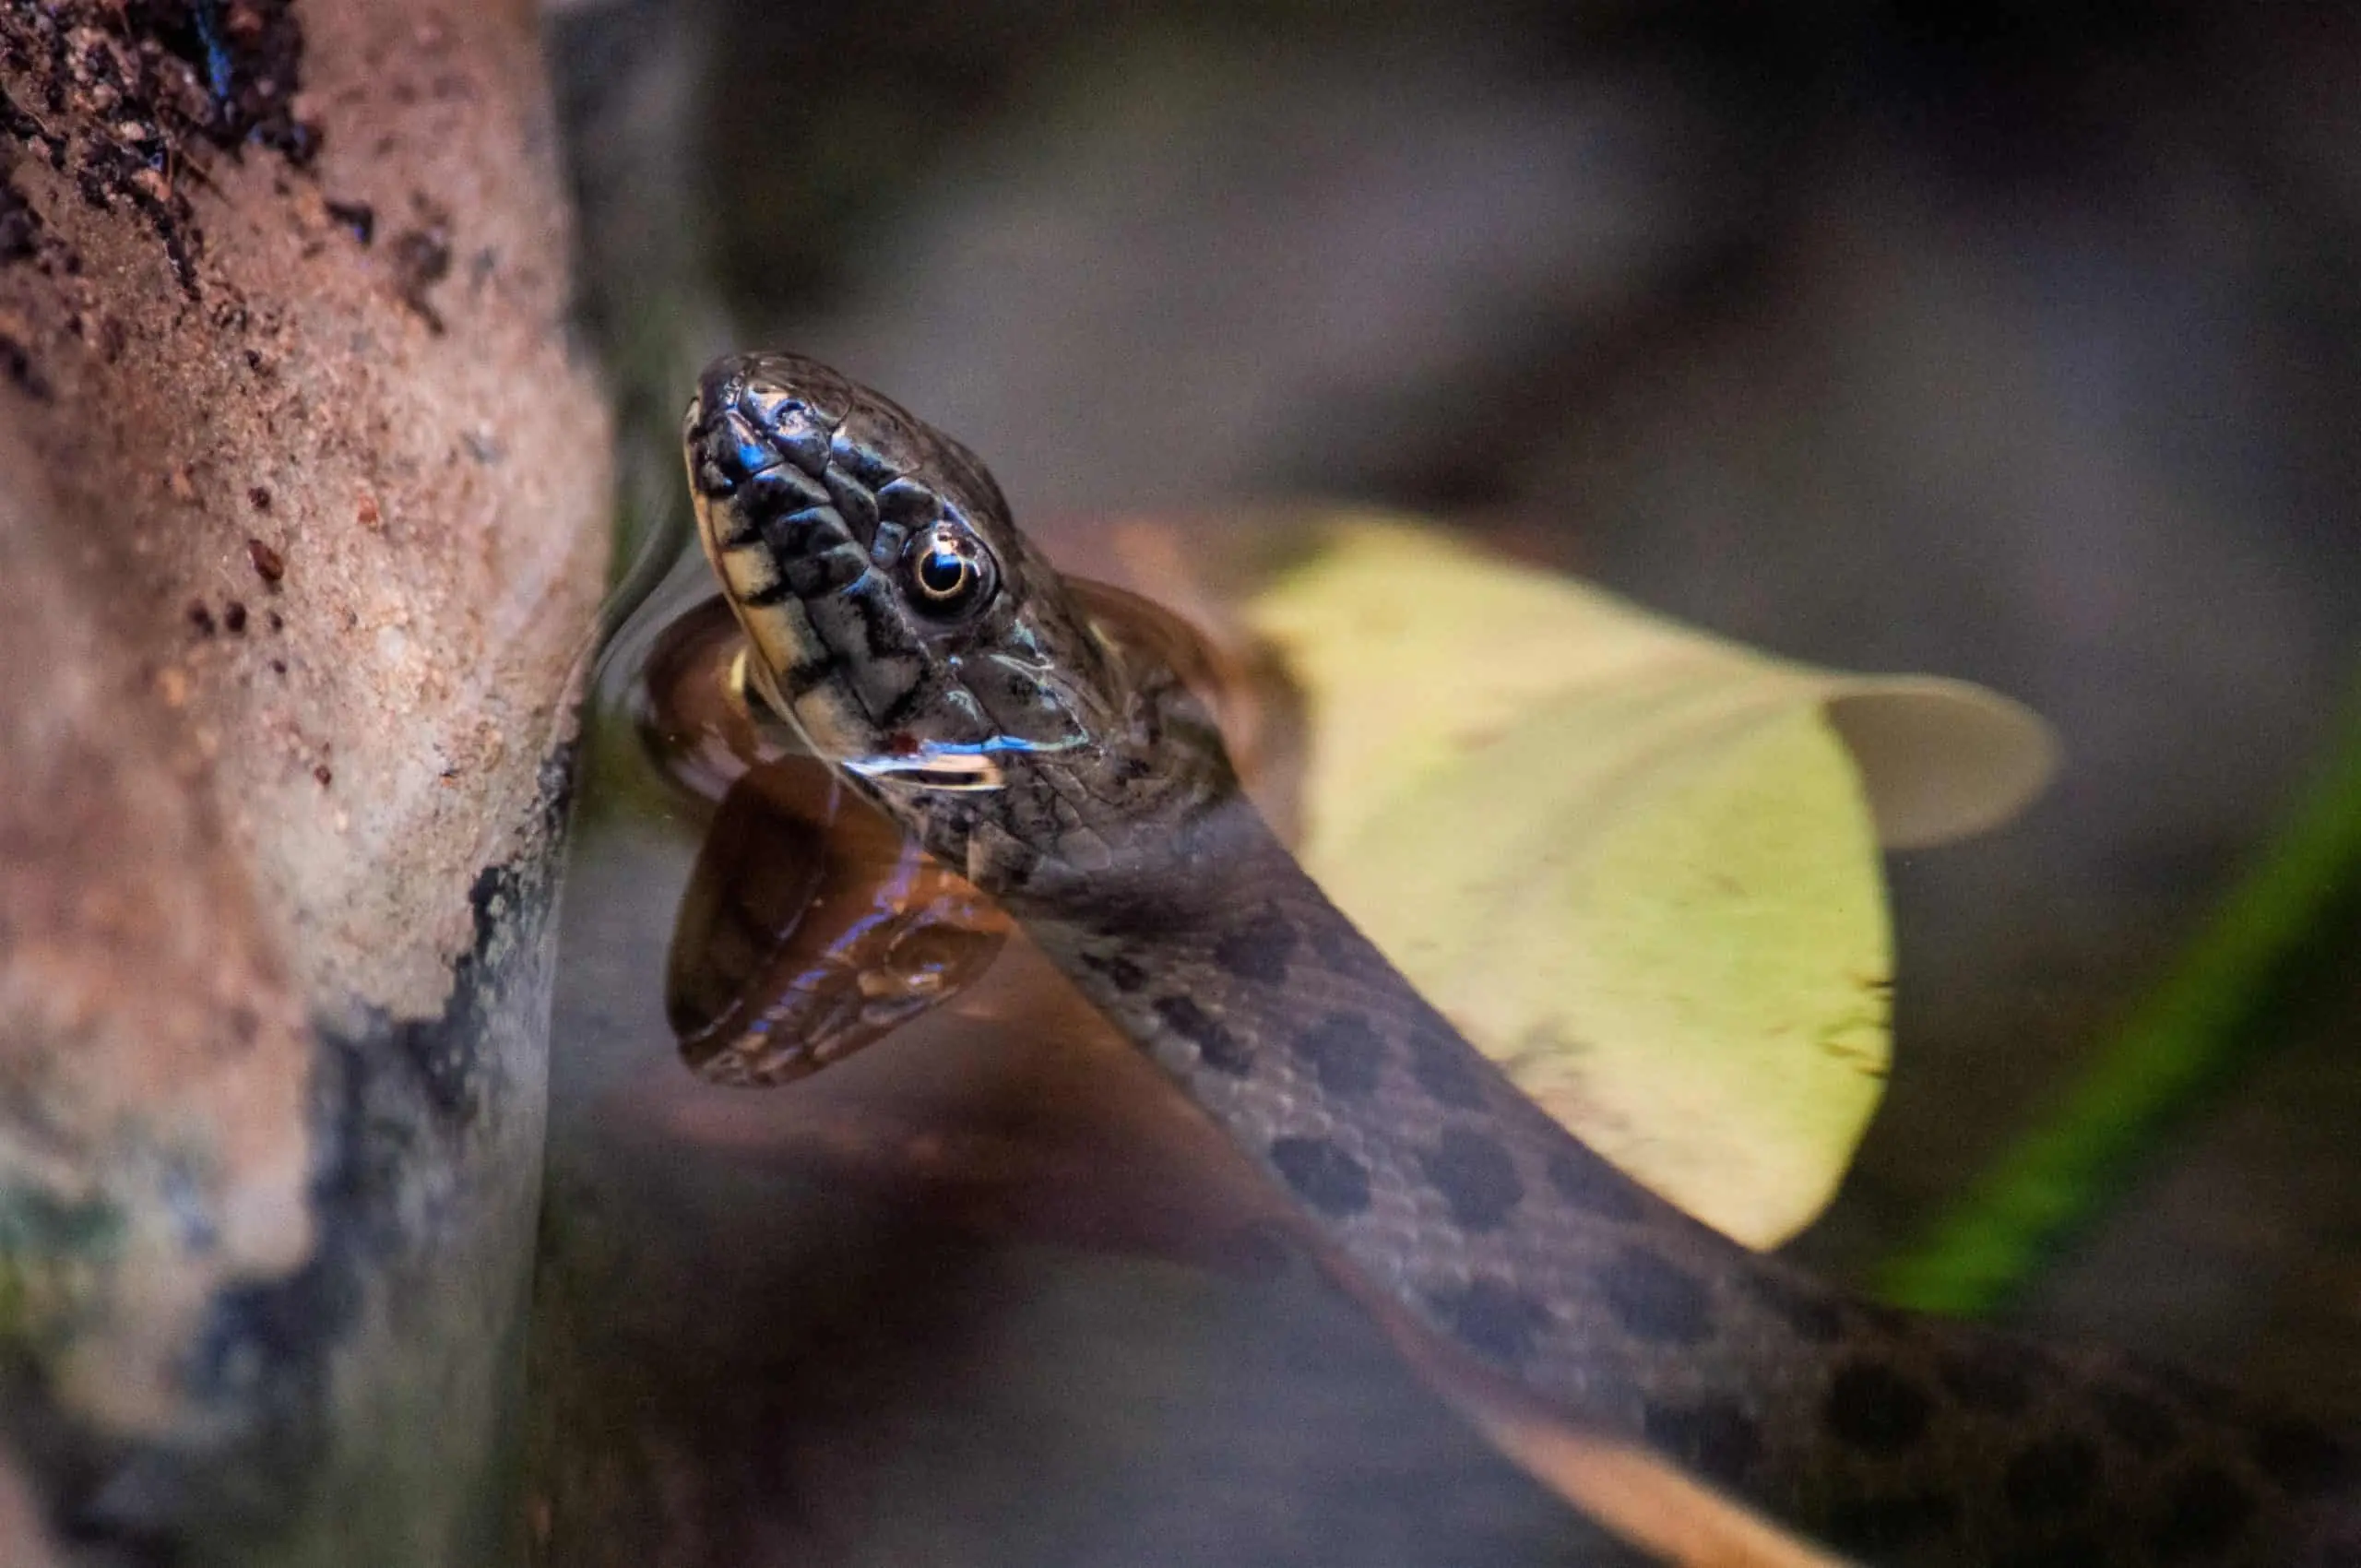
(924, 647)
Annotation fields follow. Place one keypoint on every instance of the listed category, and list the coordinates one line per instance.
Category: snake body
(923, 645)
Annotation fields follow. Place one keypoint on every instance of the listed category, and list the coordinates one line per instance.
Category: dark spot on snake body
(1890, 1523)
(1344, 1053)
(1339, 947)
(1216, 1047)
(1322, 1175)
(1442, 1069)
(1491, 1319)
(1998, 1377)
(1476, 1177)
(2052, 1476)
(2300, 1458)
(1259, 948)
(1875, 1408)
(1812, 1315)
(1654, 1301)
(1715, 1437)
(2205, 1510)
(2143, 1423)
(1590, 1184)
(1121, 973)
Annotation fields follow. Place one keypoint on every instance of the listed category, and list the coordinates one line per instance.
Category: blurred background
(2011, 341)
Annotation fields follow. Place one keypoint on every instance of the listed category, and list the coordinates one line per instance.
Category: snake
(931, 653)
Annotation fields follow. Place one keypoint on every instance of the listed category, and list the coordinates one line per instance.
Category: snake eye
(951, 575)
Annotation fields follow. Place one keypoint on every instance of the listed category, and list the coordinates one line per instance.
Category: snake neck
(1487, 1226)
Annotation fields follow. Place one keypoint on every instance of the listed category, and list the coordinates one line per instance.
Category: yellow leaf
(1636, 864)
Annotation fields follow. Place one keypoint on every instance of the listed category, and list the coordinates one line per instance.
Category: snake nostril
(769, 406)
(794, 428)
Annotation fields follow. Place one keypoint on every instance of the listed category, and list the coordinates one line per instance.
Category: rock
(303, 505)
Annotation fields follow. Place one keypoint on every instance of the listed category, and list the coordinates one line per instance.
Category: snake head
(897, 616)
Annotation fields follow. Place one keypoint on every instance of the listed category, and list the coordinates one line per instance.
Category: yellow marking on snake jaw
(750, 572)
(779, 633)
(778, 637)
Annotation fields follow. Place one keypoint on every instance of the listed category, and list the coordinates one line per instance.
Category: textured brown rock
(227, 440)
(153, 1050)
(302, 521)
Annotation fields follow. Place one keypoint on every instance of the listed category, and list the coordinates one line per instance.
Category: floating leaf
(1636, 864)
